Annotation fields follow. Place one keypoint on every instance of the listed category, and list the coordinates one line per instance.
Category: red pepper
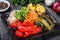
(25, 29)
(56, 7)
(18, 34)
(26, 34)
(15, 24)
(17, 21)
(26, 24)
(37, 30)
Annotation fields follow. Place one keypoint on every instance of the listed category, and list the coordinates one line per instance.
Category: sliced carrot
(32, 17)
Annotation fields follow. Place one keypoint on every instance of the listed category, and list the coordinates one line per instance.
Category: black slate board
(36, 37)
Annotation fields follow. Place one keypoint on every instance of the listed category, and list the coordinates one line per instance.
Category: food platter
(45, 34)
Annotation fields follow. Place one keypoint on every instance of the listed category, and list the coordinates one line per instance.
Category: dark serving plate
(44, 35)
